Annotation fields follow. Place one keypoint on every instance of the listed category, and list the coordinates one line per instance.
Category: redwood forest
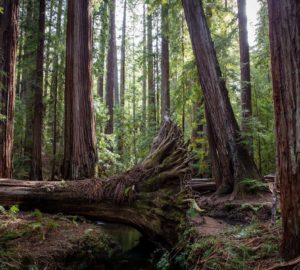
(150, 134)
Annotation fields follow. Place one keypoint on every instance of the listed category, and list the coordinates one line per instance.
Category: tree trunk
(165, 82)
(47, 53)
(230, 158)
(121, 134)
(54, 90)
(144, 101)
(285, 59)
(246, 99)
(8, 55)
(151, 196)
(184, 98)
(36, 160)
(157, 62)
(103, 41)
(151, 86)
(110, 77)
(79, 150)
(28, 77)
(122, 74)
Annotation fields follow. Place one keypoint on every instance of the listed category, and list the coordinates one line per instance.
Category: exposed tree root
(151, 196)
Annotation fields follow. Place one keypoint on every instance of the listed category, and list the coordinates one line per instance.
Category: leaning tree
(284, 18)
(230, 158)
(8, 54)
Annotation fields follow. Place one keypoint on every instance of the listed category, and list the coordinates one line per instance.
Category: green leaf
(14, 209)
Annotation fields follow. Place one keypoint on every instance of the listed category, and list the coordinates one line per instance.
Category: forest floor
(41, 241)
(228, 235)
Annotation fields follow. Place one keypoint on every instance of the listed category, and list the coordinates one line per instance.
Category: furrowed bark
(285, 59)
(79, 151)
(8, 55)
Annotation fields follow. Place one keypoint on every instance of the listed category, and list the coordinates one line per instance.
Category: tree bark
(285, 59)
(36, 160)
(151, 196)
(246, 98)
(79, 149)
(8, 55)
(230, 159)
(165, 64)
(151, 86)
(110, 77)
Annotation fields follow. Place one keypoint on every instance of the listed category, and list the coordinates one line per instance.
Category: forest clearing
(150, 135)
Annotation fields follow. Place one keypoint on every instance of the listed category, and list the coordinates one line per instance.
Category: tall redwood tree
(246, 99)
(8, 54)
(284, 17)
(111, 68)
(230, 159)
(165, 63)
(36, 159)
(79, 149)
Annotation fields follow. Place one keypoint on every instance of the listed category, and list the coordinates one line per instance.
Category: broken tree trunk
(150, 197)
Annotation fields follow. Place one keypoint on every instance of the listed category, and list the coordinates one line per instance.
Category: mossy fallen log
(150, 197)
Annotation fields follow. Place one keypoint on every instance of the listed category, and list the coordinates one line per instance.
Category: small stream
(137, 248)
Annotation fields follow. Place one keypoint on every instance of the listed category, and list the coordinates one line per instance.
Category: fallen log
(208, 186)
(150, 197)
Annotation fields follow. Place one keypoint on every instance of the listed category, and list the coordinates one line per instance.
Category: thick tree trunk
(36, 160)
(165, 82)
(246, 99)
(151, 86)
(8, 55)
(230, 158)
(285, 55)
(151, 196)
(80, 152)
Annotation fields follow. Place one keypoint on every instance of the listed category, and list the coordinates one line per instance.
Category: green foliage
(253, 185)
(14, 209)
(163, 263)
